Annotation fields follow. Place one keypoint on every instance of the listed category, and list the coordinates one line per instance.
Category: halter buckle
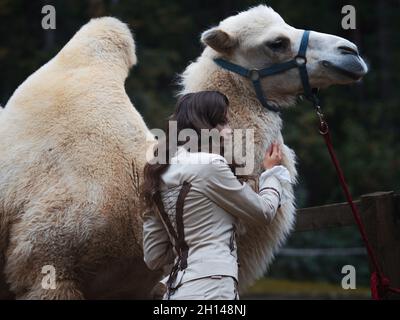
(319, 112)
(300, 60)
(254, 75)
(323, 125)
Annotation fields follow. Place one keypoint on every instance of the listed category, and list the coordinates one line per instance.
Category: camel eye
(278, 44)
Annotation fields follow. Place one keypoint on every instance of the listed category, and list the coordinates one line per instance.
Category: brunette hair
(199, 110)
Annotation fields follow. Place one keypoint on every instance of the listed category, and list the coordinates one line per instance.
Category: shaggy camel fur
(70, 164)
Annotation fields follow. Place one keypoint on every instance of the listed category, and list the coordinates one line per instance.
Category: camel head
(259, 38)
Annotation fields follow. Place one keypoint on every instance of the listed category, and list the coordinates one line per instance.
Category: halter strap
(301, 56)
(255, 75)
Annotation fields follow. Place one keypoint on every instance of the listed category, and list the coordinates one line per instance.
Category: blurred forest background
(364, 117)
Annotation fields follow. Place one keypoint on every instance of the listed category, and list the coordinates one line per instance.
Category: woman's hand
(273, 156)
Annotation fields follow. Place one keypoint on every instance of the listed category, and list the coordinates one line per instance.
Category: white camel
(256, 39)
(72, 153)
(71, 157)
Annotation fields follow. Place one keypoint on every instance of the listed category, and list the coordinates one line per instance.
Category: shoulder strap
(180, 243)
(184, 248)
(164, 216)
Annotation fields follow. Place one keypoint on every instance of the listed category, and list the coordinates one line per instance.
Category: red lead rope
(380, 285)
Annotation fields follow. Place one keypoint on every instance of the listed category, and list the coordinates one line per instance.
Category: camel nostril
(348, 50)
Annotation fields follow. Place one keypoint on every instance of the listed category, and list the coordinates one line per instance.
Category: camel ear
(219, 40)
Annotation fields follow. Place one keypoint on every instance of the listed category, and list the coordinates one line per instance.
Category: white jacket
(215, 204)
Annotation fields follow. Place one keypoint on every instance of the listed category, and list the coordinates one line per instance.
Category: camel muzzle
(351, 66)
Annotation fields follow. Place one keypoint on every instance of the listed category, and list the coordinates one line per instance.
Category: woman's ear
(219, 40)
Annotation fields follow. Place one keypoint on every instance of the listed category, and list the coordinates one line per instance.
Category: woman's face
(225, 130)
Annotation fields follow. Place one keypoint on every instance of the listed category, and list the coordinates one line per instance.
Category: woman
(201, 203)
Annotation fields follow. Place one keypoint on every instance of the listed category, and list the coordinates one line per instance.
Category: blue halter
(255, 75)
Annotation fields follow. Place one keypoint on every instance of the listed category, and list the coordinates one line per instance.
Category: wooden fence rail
(380, 213)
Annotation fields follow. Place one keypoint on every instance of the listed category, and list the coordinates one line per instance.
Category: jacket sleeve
(240, 200)
(157, 247)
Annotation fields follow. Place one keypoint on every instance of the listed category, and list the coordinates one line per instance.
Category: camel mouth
(354, 68)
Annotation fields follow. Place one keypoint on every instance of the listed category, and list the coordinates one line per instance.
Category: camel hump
(104, 40)
(102, 50)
